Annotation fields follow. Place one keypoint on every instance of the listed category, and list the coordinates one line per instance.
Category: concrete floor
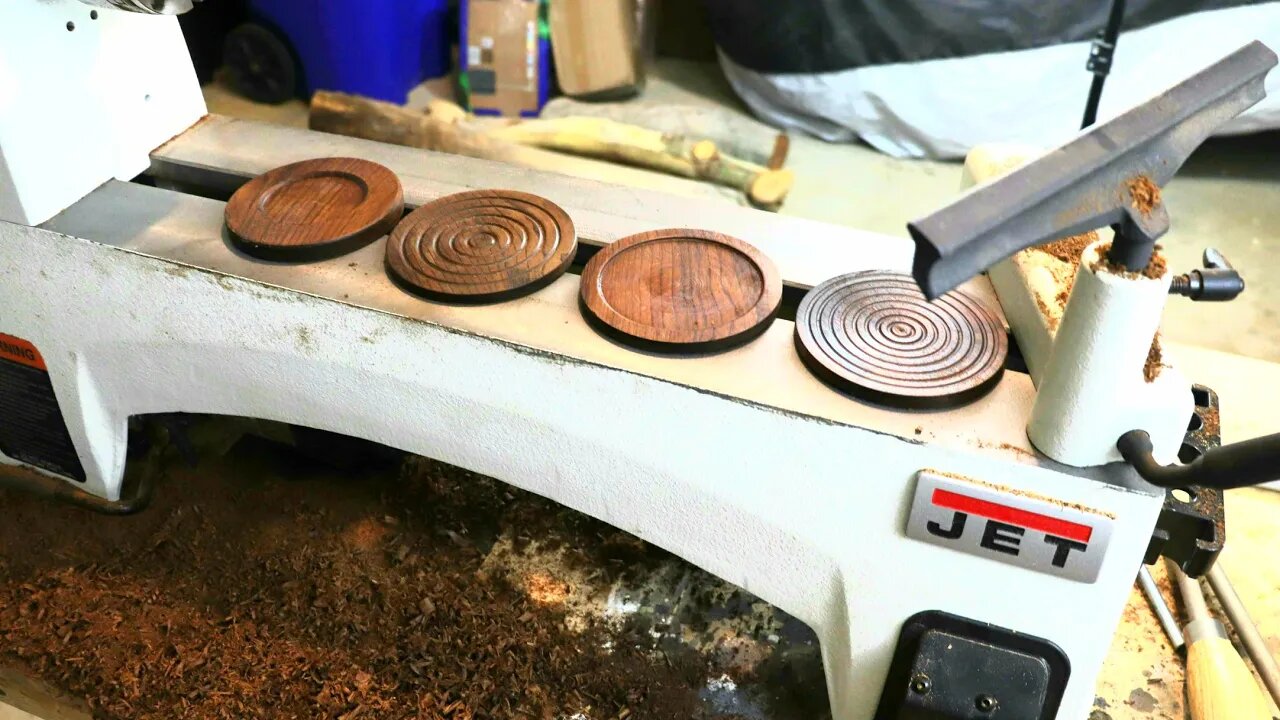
(1227, 196)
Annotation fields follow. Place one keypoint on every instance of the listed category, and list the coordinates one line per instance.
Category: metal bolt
(921, 684)
(985, 703)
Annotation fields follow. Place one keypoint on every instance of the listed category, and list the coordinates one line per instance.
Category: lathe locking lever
(1217, 281)
(1241, 464)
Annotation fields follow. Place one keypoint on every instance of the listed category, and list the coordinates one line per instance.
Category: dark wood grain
(874, 336)
(681, 291)
(314, 209)
(482, 246)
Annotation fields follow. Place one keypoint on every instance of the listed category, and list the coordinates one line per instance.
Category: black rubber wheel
(259, 64)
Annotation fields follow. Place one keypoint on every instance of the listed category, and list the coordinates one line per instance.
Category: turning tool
(1219, 685)
(1161, 608)
(1252, 640)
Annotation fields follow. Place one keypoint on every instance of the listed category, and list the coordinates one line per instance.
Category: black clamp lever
(1241, 464)
(1217, 281)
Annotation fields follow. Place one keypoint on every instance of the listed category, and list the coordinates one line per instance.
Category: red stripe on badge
(1012, 515)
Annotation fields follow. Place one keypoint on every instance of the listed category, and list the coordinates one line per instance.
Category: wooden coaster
(873, 335)
(681, 291)
(314, 209)
(482, 246)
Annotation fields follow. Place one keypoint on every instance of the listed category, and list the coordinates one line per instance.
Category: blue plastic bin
(377, 48)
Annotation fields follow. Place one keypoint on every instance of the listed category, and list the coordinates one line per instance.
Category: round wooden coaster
(482, 245)
(681, 291)
(314, 209)
(873, 335)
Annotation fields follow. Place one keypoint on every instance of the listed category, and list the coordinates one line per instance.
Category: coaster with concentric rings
(482, 246)
(874, 336)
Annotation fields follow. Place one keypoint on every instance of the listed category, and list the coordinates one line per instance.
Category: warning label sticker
(31, 426)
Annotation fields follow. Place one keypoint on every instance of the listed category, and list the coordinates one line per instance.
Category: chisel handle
(1219, 684)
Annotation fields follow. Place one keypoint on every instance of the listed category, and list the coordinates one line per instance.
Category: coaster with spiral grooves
(482, 246)
(874, 336)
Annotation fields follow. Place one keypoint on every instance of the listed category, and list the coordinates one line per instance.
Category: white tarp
(942, 108)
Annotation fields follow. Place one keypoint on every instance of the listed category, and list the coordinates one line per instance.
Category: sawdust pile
(1155, 360)
(1060, 258)
(1144, 194)
(246, 595)
(1069, 249)
(1212, 422)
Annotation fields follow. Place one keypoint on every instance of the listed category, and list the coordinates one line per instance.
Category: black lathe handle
(1241, 464)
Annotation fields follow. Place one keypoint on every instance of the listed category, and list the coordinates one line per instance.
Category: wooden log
(362, 117)
(441, 109)
(441, 129)
(731, 131)
(670, 153)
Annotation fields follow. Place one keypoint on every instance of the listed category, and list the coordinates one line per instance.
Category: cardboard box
(505, 56)
(596, 46)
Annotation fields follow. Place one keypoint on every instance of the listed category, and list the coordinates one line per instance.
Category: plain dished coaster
(680, 291)
(314, 209)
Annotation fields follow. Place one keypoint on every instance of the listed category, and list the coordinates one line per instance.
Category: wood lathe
(958, 514)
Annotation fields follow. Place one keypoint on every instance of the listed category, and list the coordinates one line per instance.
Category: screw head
(985, 703)
(921, 684)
